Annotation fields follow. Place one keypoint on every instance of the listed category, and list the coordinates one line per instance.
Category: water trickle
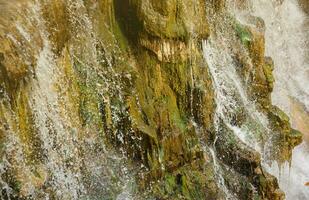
(219, 176)
(230, 95)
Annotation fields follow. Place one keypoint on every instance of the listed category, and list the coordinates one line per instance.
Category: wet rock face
(136, 74)
(57, 19)
(261, 83)
(174, 79)
(18, 48)
(245, 164)
(173, 19)
(165, 27)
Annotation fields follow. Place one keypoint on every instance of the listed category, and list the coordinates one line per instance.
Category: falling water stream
(287, 34)
(71, 172)
(286, 37)
(230, 94)
(73, 161)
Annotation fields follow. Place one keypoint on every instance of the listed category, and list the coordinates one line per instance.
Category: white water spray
(287, 43)
(74, 163)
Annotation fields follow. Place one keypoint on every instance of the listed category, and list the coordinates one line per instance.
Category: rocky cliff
(84, 80)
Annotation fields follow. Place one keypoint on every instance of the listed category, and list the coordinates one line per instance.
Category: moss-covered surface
(244, 34)
(260, 83)
(133, 73)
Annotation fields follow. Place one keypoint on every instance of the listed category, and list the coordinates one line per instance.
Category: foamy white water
(286, 38)
(287, 43)
(74, 163)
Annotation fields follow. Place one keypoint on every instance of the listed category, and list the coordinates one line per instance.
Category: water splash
(219, 176)
(286, 30)
(73, 160)
(287, 43)
(231, 96)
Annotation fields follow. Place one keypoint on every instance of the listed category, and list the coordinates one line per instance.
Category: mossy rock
(244, 34)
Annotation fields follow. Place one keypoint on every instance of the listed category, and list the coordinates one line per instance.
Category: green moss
(16, 186)
(244, 34)
(185, 187)
(295, 137)
(279, 119)
(180, 122)
(170, 183)
(120, 37)
(87, 82)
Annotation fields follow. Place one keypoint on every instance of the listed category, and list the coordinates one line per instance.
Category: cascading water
(287, 43)
(233, 107)
(79, 78)
(287, 35)
(220, 180)
(71, 161)
(231, 96)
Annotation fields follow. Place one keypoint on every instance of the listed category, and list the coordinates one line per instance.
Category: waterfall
(122, 99)
(58, 143)
(287, 43)
(72, 161)
(231, 96)
(286, 38)
(230, 93)
(220, 178)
